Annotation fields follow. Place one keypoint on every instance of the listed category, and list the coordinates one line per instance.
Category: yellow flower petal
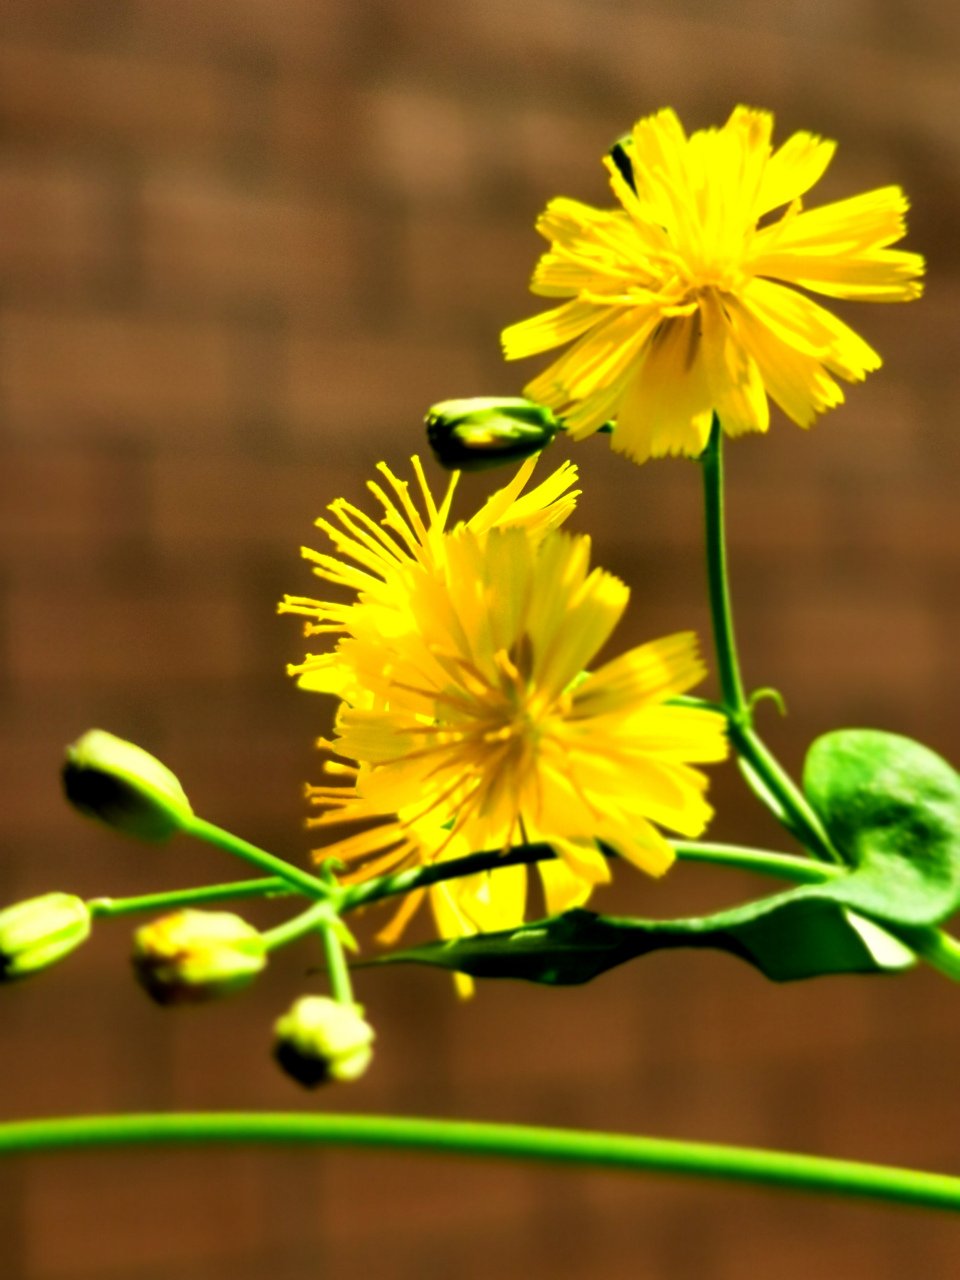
(809, 328)
(563, 886)
(792, 170)
(668, 407)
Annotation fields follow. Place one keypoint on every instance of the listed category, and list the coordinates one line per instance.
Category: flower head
(676, 303)
(475, 726)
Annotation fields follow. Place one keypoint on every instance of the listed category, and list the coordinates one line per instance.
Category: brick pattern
(242, 247)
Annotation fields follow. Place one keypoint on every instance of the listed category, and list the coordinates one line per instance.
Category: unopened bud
(321, 1040)
(39, 932)
(192, 956)
(124, 786)
(488, 431)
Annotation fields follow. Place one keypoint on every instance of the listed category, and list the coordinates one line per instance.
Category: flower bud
(488, 431)
(191, 956)
(39, 932)
(321, 1040)
(124, 786)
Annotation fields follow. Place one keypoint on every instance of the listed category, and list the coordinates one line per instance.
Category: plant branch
(108, 908)
(782, 865)
(300, 880)
(308, 921)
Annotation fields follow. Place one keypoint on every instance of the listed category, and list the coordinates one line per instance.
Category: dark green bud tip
(39, 932)
(124, 786)
(488, 431)
(321, 1040)
(189, 957)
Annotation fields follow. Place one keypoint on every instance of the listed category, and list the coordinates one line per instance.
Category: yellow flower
(389, 569)
(475, 726)
(675, 300)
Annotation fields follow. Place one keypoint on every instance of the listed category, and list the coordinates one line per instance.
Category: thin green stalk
(801, 818)
(519, 1142)
(107, 908)
(783, 796)
(308, 921)
(302, 880)
(782, 865)
(728, 667)
(337, 969)
(368, 891)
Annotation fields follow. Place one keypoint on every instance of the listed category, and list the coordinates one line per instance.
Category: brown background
(243, 245)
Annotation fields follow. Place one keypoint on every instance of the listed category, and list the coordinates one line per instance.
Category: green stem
(337, 969)
(107, 908)
(776, 788)
(782, 865)
(458, 1137)
(728, 667)
(302, 880)
(790, 805)
(939, 949)
(306, 922)
(368, 891)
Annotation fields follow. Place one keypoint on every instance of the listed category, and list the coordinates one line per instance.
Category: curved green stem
(108, 908)
(510, 1141)
(302, 880)
(766, 775)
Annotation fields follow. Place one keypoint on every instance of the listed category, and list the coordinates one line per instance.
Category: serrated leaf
(892, 808)
(787, 937)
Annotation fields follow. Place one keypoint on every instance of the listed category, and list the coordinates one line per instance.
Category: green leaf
(786, 937)
(892, 808)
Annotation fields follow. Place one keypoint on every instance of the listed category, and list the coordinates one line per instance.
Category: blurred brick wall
(243, 245)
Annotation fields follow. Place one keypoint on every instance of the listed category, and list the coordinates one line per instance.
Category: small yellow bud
(124, 786)
(488, 431)
(321, 1040)
(39, 932)
(191, 956)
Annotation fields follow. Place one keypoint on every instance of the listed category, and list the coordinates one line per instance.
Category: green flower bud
(488, 431)
(124, 786)
(191, 956)
(39, 932)
(321, 1040)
